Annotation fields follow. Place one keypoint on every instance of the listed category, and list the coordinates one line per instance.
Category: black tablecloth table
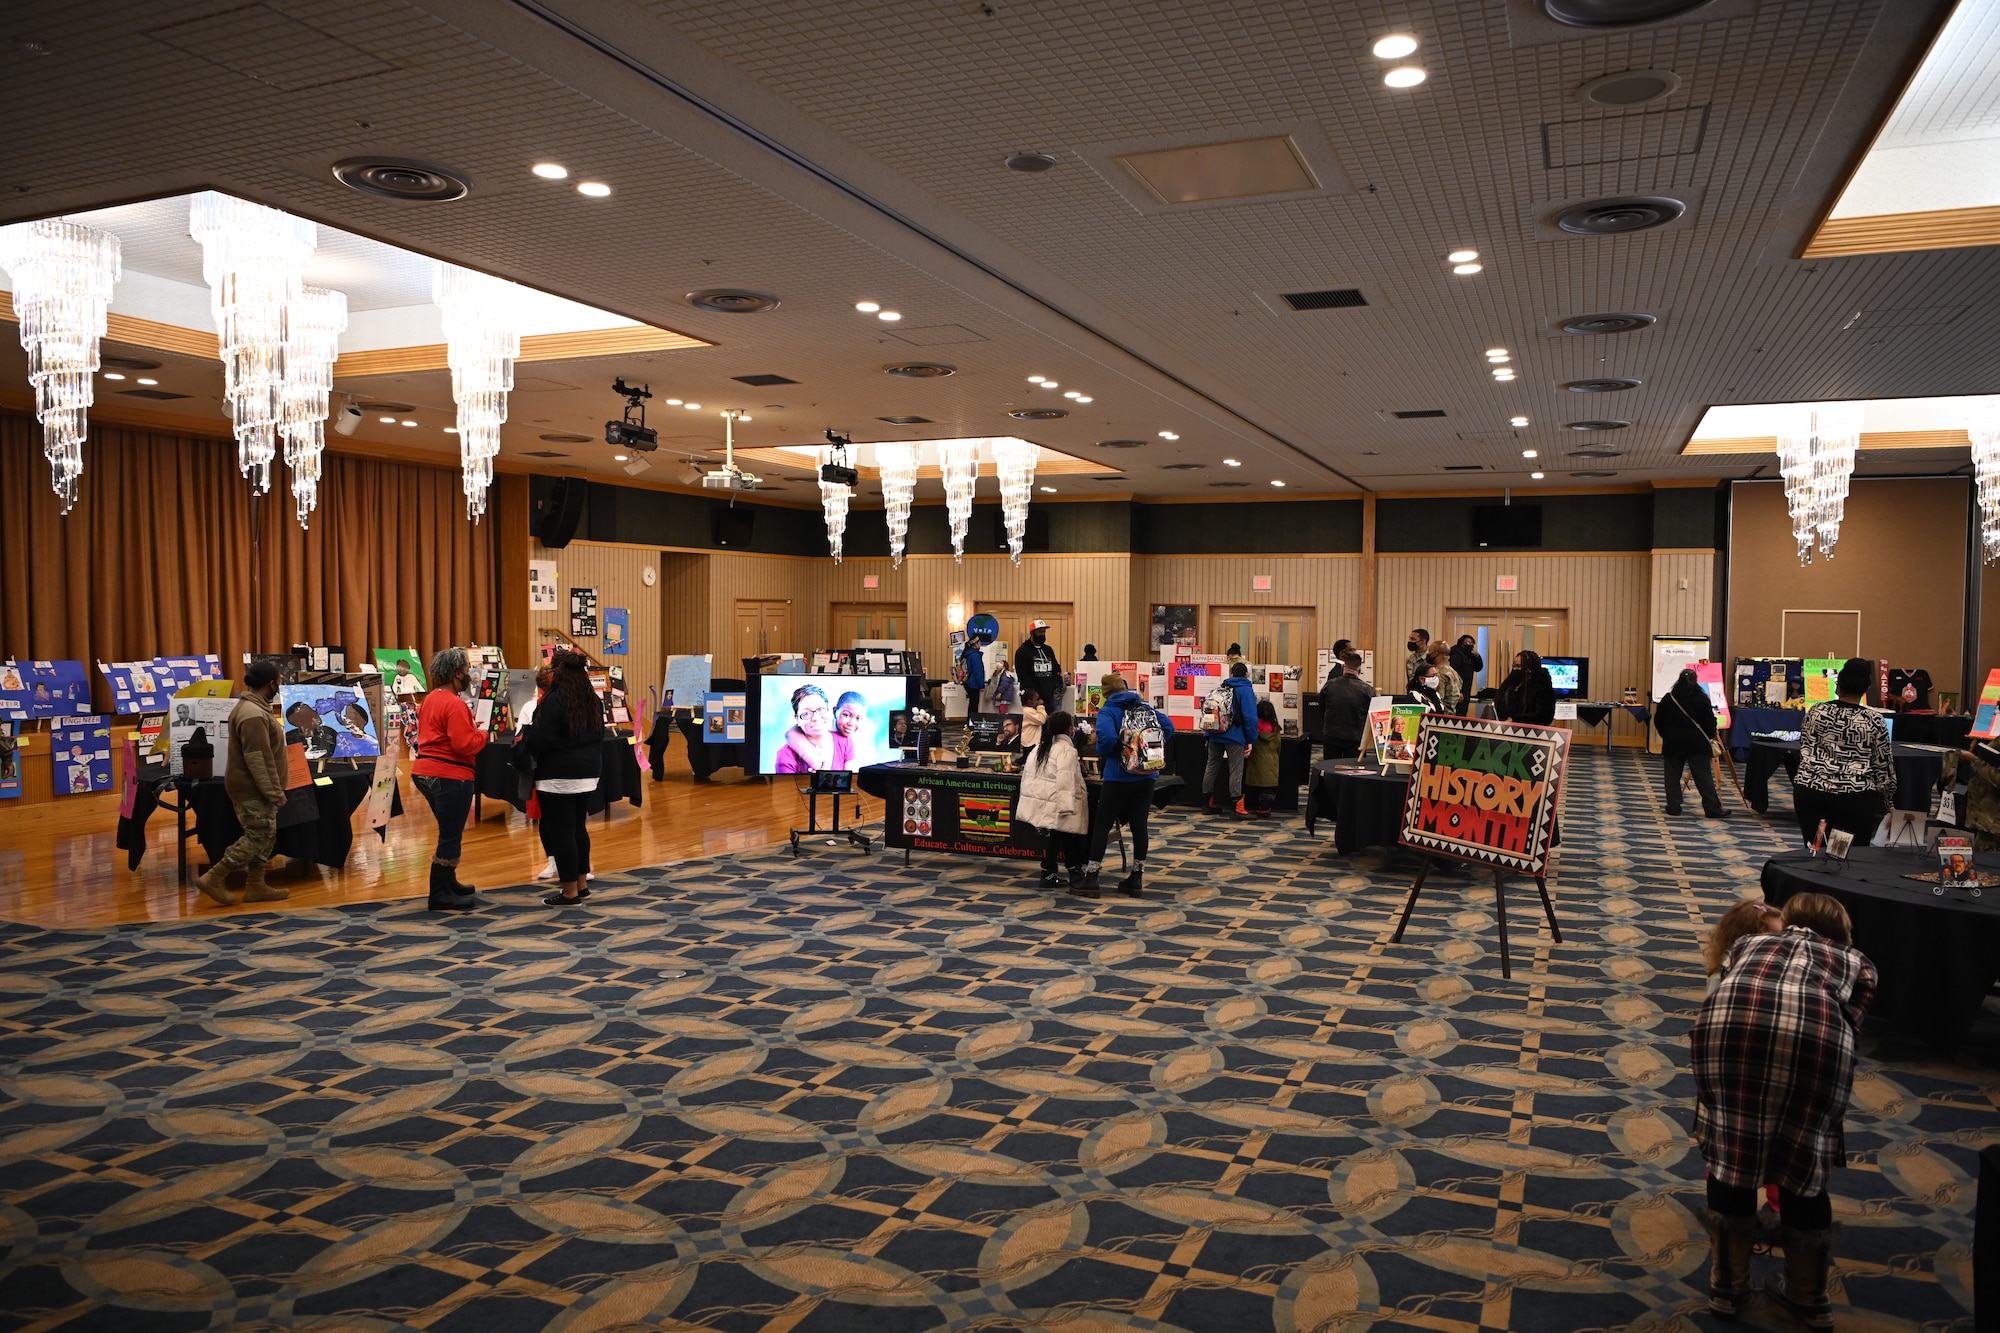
(1938, 956)
(315, 824)
(1187, 759)
(705, 758)
(1917, 772)
(617, 780)
(1367, 807)
(1950, 729)
(886, 782)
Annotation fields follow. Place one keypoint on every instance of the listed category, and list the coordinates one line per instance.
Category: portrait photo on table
(331, 721)
(806, 724)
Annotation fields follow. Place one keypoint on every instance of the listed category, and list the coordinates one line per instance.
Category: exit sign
(1260, 583)
(870, 581)
(1506, 583)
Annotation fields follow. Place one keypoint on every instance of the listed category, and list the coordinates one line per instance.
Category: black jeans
(566, 832)
(1807, 1212)
(1702, 768)
(1124, 803)
(1858, 812)
(451, 802)
(1062, 847)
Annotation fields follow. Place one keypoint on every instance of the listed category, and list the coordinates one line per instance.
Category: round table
(494, 775)
(1365, 802)
(1937, 955)
(1918, 769)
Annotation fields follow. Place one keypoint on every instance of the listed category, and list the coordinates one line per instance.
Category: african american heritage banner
(1487, 791)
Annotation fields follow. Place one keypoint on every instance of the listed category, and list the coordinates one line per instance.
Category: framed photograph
(1175, 624)
(1838, 842)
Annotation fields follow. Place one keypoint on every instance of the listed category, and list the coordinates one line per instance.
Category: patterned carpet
(838, 1093)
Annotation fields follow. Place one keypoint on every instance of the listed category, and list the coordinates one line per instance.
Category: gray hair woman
(448, 746)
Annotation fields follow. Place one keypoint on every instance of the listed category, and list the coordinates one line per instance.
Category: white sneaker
(548, 871)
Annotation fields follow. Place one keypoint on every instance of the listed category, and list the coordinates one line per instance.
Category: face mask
(1431, 681)
(1412, 645)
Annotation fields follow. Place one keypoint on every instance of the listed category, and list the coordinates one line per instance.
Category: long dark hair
(1058, 724)
(570, 690)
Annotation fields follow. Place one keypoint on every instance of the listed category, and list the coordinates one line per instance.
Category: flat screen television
(1571, 676)
(1507, 525)
(807, 724)
(735, 526)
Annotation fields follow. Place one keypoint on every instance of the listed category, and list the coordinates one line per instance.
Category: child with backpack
(1229, 721)
(1132, 739)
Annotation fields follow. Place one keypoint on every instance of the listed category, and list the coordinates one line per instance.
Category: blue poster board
(10, 760)
(80, 750)
(148, 686)
(617, 630)
(687, 682)
(43, 689)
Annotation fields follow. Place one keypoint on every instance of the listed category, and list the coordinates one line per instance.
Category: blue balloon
(982, 625)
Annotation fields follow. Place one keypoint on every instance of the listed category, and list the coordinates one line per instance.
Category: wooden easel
(1500, 908)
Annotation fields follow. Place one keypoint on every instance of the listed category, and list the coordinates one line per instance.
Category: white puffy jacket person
(1055, 799)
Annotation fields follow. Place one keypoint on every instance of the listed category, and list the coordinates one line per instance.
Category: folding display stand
(836, 785)
(1499, 905)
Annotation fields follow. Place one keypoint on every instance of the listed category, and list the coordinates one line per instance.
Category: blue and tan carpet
(755, 1093)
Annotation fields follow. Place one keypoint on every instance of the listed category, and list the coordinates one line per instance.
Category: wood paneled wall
(1683, 610)
(617, 574)
(1608, 597)
(1330, 584)
(1099, 587)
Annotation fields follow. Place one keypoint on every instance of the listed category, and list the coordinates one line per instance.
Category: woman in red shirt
(448, 743)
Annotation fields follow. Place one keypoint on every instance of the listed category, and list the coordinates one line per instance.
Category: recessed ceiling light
(1466, 270)
(451, 430)
(1071, 393)
(1278, 483)
(1395, 46)
(409, 423)
(1530, 453)
(1537, 476)
(1051, 384)
(551, 171)
(692, 407)
(1498, 358)
(1496, 351)
(144, 380)
(1036, 379)
(1048, 490)
(1083, 398)
(618, 458)
(111, 376)
(673, 402)
(867, 307)
(1168, 435)
(1232, 462)
(1406, 76)
(1462, 256)
(1517, 421)
(387, 421)
(888, 316)
(595, 189)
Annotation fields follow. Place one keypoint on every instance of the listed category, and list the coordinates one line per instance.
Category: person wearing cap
(1036, 665)
(974, 657)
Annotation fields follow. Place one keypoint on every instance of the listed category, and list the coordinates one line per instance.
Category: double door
(1270, 635)
(868, 620)
(763, 627)
(1500, 632)
(1015, 617)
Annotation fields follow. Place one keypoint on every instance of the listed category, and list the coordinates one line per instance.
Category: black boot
(1051, 877)
(1808, 1262)
(1729, 1242)
(1134, 884)
(445, 893)
(1088, 888)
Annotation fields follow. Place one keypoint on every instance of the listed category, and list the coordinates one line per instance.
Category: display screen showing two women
(832, 722)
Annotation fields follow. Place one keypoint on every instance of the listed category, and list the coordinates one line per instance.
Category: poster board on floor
(1672, 654)
(1486, 791)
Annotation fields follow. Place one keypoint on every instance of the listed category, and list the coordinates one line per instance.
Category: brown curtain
(167, 552)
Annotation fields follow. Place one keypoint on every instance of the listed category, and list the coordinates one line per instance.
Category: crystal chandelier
(1982, 427)
(63, 273)
(482, 340)
(958, 460)
(1816, 451)
(254, 260)
(317, 321)
(833, 498)
(898, 466)
(1014, 460)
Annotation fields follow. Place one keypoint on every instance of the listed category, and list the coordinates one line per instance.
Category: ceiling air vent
(1608, 384)
(907, 421)
(762, 381)
(1334, 298)
(1039, 414)
(1603, 424)
(1463, 467)
(1593, 474)
(1183, 467)
(1619, 322)
(386, 406)
(1596, 453)
(1121, 444)
(126, 363)
(557, 437)
(732, 301)
(1632, 87)
(1228, 485)
(920, 370)
(400, 178)
(1616, 13)
(1617, 216)
(544, 453)
(157, 395)
(1031, 163)
(1418, 415)
(1107, 478)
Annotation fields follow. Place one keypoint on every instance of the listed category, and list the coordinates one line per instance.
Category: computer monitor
(1571, 676)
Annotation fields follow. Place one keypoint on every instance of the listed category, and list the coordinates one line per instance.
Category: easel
(1500, 908)
(812, 828)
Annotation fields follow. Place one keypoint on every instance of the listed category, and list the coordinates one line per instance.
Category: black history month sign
(1486, 791)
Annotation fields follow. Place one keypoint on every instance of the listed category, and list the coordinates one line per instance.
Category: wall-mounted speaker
(555, 523)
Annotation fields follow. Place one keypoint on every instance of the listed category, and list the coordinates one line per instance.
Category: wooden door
(763, 627)
(1234, 624)
(749, 631)
(1269, 635)
(868, 620)
(1501, 632)
(1014, 618)
(777, 619)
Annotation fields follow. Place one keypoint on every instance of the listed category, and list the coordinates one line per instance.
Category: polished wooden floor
(58, 866)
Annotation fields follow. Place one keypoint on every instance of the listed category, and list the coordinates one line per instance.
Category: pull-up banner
(1486, 791)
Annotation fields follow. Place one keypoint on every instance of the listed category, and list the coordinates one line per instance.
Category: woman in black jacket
(1467, 662)
(566, 739)
(1686, 721)
(1529, 695)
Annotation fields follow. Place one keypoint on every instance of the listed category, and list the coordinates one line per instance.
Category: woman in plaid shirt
(1774, 1066)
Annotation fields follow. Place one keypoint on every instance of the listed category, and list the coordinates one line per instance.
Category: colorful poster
(1709, 676)
(332, 721)
(43, 689)
(10, 760)
(723, 718)
(542, 586)
(80, 749)
(1406, 723)
(617, 629)
(403, 671)
(1486, 791)
(1986, 718)
(967, 811)
(1820, 675)
(382, 793)
(202, 712)
(583, 613)
(687, 680)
